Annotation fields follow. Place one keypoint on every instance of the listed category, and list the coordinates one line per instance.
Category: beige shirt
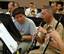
(59, 29)
(49, 50)
(53, 24)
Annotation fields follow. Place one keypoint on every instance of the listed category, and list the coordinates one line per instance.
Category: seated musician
(50, 21)
(25, 26)
(11, 6)
(31, 11)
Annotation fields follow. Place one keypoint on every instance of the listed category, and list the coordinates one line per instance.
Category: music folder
(8, 39)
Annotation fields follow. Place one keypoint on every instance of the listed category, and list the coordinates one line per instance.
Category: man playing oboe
(47, 15)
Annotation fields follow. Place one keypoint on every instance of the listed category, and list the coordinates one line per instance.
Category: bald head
(47, 15)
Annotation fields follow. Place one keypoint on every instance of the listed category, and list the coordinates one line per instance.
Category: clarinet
(33, 44)
(34, 40)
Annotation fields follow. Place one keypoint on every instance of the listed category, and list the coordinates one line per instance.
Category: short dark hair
(31, 3)
(18, 10)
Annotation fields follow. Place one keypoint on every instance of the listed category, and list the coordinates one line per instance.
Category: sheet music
(7, 38)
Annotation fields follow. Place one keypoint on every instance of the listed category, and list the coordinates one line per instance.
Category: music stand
(9, 42)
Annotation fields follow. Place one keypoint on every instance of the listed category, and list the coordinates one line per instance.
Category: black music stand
(9, 44)
(7, 21)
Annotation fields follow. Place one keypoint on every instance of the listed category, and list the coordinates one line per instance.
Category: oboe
(36, 34)
(33, 44)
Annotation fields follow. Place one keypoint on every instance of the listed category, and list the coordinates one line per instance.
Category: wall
(38, 3)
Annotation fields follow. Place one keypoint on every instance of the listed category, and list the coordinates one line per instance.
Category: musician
(11, 6)
(50, 21)
(54, 7)
(59, 8)
(31, 11)
(25, 26)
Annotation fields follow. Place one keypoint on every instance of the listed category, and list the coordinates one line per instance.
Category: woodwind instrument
(33, 44)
